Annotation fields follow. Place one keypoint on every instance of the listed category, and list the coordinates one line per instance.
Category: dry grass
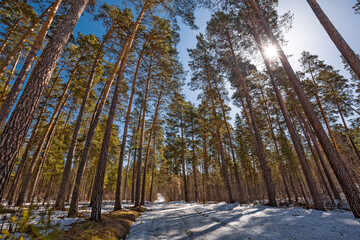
(114, 225)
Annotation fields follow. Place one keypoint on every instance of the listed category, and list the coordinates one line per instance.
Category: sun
(270, 51)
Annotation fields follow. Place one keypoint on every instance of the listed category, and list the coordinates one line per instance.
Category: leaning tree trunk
(139, 163)
(337, 163)
(117, 205)
(266, 172)
(16, 129)
(318, 204)
(21, 42)
(101, 166)
(142, 202)
(8, 35)
(12, 71)
(152, 170)
(60, 199)
(349, 55)
(25, 69)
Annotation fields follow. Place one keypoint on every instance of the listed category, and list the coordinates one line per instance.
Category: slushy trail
(179, 220)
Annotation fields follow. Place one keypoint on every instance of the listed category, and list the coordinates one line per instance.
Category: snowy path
(180, 220)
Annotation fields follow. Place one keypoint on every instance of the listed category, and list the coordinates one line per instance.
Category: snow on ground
(179, 220)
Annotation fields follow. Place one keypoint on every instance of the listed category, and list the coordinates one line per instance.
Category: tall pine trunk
(142, 202)
(8, 35)
(139, 163)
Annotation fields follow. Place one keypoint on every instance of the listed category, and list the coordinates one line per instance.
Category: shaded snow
(179, 220)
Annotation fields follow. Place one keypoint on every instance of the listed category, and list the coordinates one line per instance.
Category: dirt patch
(114, 225)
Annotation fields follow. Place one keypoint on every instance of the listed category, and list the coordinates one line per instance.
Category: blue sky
(306, 34)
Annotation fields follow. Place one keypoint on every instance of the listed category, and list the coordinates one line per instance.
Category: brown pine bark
(266, 172)
(196, 191)
(60, 199)
(25, 69)
(142, 202)
(21, 42)
(101, 167)
(344, 48)
(8, 35)
(340, 169)
(19, 123)
(117, 205)
(139, 162)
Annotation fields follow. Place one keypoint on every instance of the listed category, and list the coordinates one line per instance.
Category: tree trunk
(349, 55)
(60, 199)
(101, 167)
(8, 35)
(266, 172)
(16, 129)
(117, 205)
(25, 69)
(21, 42)
(341, 171)
(142, 202)
(152, 172)
(139, 163)
(9, 78)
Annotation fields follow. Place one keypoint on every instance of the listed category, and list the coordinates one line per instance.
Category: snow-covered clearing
(179, 220)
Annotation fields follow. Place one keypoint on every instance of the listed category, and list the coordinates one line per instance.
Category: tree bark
(25, 69)
(16, 129)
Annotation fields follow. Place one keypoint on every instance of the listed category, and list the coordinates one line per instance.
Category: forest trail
(179, 220)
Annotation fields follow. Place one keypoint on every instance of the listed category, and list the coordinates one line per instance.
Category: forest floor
(179, 220)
